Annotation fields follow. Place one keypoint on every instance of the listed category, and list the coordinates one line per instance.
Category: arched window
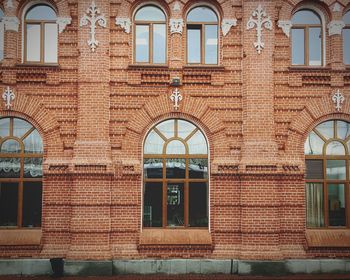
(307, 38)
(150, 35)
(202, 36)
(327, 174)
(175, 192)
(2, 33)
(346, 38)
(40, 35)
(21, 155)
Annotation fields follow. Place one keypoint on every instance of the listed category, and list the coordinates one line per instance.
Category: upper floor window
(346, 38)
(307, 38)
(21, 156)
(202, 36)
(327, 175)
(175, 191)
(2, 30)
(40, 35)
(150, 35)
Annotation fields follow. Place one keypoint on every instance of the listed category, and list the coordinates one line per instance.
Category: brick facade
(94, 110)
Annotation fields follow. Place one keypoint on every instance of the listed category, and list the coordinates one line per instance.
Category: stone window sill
(328, 237)
(20, 236)
(175, 237)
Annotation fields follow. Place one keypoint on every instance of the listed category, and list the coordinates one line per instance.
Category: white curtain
(315, 205)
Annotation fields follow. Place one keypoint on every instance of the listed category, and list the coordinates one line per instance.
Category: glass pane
(326, 129)
(1, 14)
(4, 127)
(346, 18)
(33, 143)
(50, 51)
(343, 129)
(33, 42)
(298, 44)
(193, 45)
(175, 147)
(198, 205)
(335, 148)
(306, 17)
(314, 205)
(142, 43)
(346, 45)
(8, 204)
(41, 12)
(153, 144)
(315, 46)
(211, 44)
(314, 169)
(184, 128)
(32, 201)
(153, 167)
(175, 204)
(159, 43)
(175, 168)
(198, 168)
(33, 167)
(336, 204)
(2, 32)
(166, 128)
(20, 127)
(150, 13)
(313, 144)
(202, 14)
(10, 167)
(10, 147)
(153, 202)
(197, 144)
(336, 170)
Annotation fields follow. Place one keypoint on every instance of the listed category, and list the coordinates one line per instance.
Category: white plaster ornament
(93, 19)
(286, 25)
(226, 25)
(335, 27)
(9, 4)
(8, 96)
(176, 7)
(176, 97)
(336, 7)
(62, 22)
(11, 23)
(338, 99)
(259, 19)
(124, 23)
(176, 25)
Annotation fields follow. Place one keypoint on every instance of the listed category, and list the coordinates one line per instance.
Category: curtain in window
(315, 212)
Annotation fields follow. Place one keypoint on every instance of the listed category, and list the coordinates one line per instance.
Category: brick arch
(314, 113)
(61, 6)
(211, 3)
(290, 6)
(140, 3)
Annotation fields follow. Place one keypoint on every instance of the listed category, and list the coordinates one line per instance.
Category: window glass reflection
(211, 44)
(194, 45)
(8, 204)
(326, 129)
(335, 148)
(298, 55)
(336, 204)
(152, 209)
(154, 143)
(159, 43)
(2, 32)
(32, 193)
(198, 210)
(41, 12)
(142, 43)
(315, 44)
(336, 169)
(346, 45)
(197, 144)
(33, 42)
(202, 14)
(306, 17)
(150, 13)
(50, 48)
(313, 144)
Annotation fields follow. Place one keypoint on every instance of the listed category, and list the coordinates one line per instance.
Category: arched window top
(306, 16)
(150, 13)
(175, 137)
(41, 12)
(202, 14)
(346, 18)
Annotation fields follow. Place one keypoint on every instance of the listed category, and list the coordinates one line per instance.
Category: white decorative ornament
(93, 19)
(262, 20)
(176, 97)
(176, 25)
(9, 4)
(125, 23)
(62, 22)
(8, 96)
(336, 7)
(11, 23)
(226, 25)
(176, 7)
(338, 99)
(286, 25)
(335, 27)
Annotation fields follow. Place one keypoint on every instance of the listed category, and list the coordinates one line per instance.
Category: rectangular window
(159, 43)
(346, 45)
(336, 170)
(142, 43)
(33, 47)
(32, 193)
(2, 33)
(315, 46)
(194, 44)
(198, 212)
(314, 205)
(50, 50)
(298, 49)
(152, 210)
(8, 204)
(336, 205)
(211, 44)
(175, 204)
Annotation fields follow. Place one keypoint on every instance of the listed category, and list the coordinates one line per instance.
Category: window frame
(347, 26)
(2, 30)
(150, 35)
(42, 24)
(325, 182)
(21, 179)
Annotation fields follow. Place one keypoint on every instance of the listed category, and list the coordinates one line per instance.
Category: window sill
(175, 237)
(41, 65)
(20, 237)
(148, 66)
(203, 66)
(328, 237)
(309, 68)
